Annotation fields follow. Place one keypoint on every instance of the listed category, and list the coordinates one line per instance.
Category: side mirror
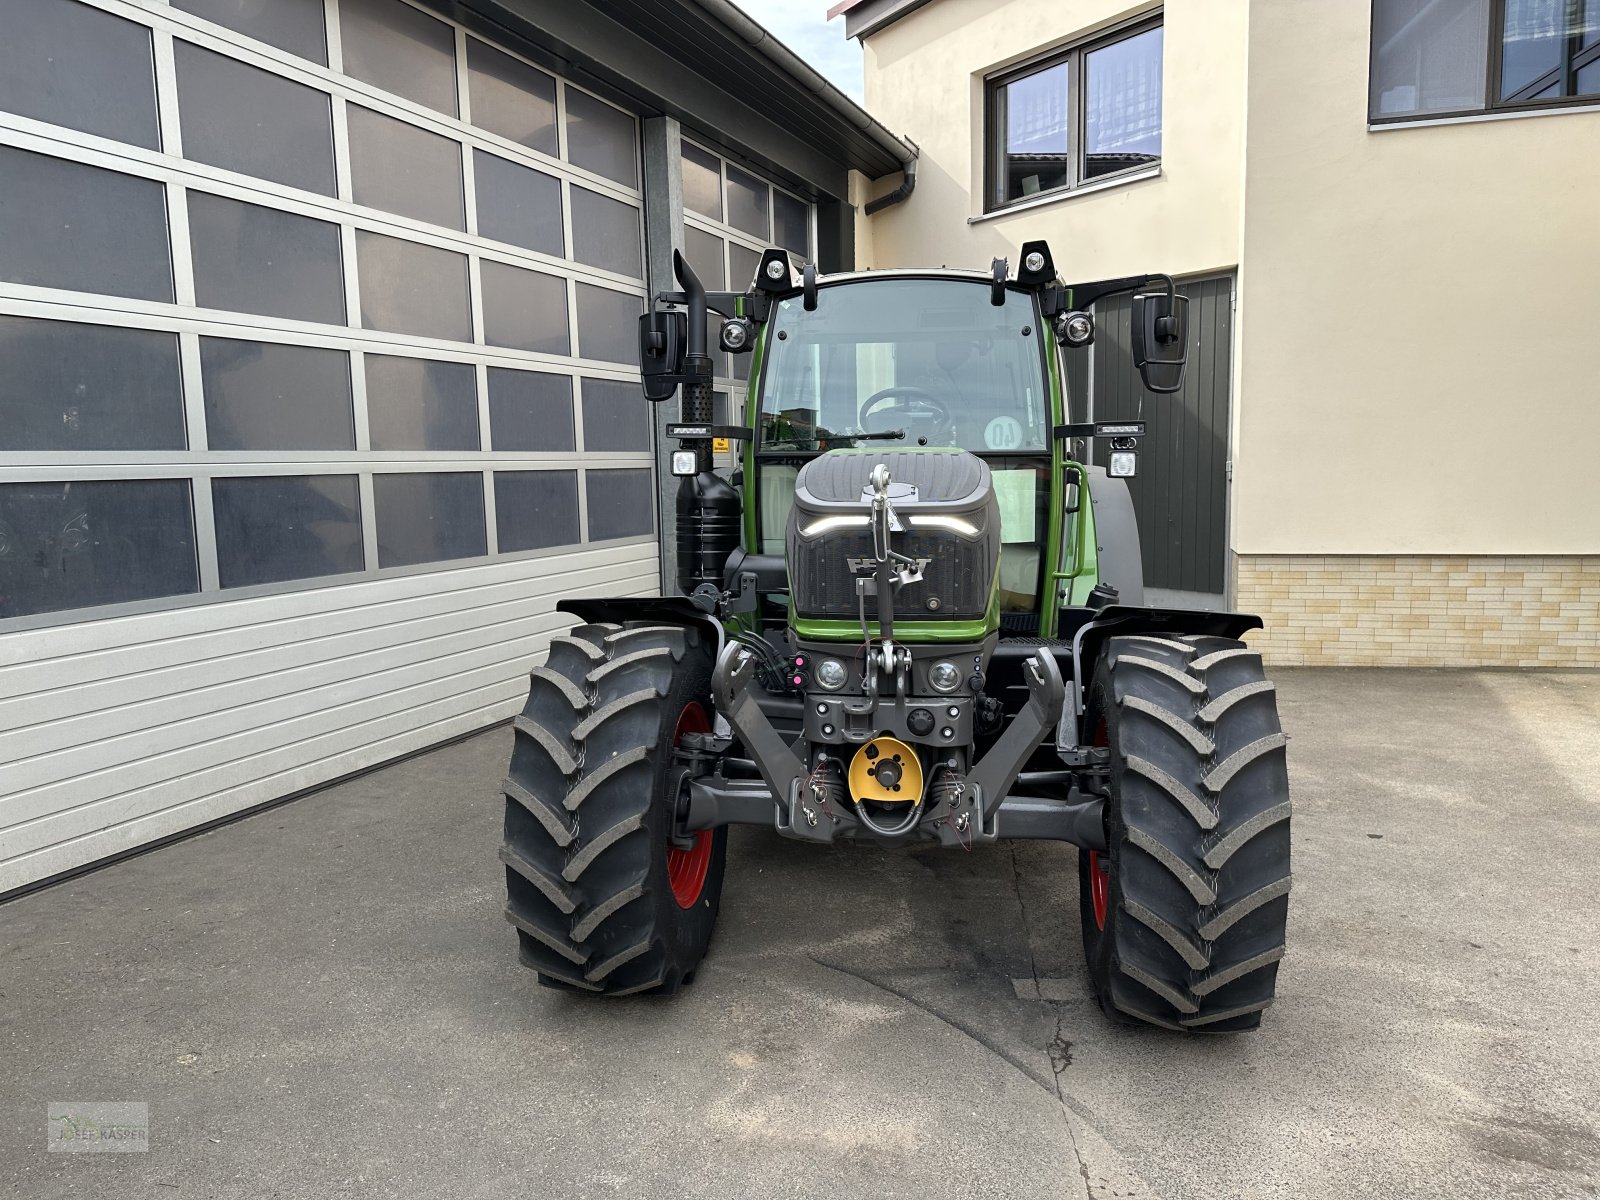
(663, 336)
(1160, 339)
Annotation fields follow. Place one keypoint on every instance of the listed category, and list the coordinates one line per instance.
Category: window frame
(1494, 62)
(1073, 55)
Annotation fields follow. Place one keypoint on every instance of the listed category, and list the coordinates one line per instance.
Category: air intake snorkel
(698, 404)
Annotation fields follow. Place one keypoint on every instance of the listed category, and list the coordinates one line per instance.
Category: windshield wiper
(881, 435)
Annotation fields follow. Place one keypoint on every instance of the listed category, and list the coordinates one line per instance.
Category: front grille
(956, 574)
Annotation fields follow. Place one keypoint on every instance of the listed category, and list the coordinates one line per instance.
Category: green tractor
(914, 614)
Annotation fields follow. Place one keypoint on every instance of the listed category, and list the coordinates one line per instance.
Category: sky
(802, 25)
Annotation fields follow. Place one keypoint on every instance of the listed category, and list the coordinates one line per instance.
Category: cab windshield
(905, 362)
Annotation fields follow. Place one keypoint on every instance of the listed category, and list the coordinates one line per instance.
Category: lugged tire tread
(572, 981)
(554, 890)
(1160, 987)
(597, 915)
(586, 890)
(591, 651)
(593, 848)
(1206, 661)
(1204, 815)
(1226, 1014)
(1192, 880)
(1213, 712)
(1147, 639)
(1200, 743)
(563, 758)
(625, 955)
(535, 931)
(1184, 680)
(647, 632)
(1218, 855)
(655, 981)
(627, 660)
(585, 787)
(1224, 920)
(1228, 974)
(1169, 933)
(1220, 776)
(600, 716)
(1151, 1019)
(575, 695)
(1199, 877)
(560, 832)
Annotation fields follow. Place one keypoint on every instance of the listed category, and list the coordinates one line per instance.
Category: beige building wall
(1418, 402)
(1416, 409)
(924, 79)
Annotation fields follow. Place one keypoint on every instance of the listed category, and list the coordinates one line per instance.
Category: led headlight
(1075, 328)
(944, 676)
(683, 462)
(953, 524)
(1124, 464)
(831, 674)
(824, 525)
(735, 335)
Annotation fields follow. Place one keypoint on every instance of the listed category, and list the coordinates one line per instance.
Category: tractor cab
(900, 361)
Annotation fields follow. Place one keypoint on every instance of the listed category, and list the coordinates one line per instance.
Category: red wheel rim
(1099, 888)
(1099, 874)
(686, 869)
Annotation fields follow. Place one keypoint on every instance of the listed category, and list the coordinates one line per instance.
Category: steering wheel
(919, 406)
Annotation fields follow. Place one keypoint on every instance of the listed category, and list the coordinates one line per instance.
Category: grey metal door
(1181, 491)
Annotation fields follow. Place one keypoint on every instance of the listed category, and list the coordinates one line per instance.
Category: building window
(1085, 113)
(1476, 56)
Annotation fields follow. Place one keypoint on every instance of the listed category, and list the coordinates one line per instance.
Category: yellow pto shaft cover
(886, 770)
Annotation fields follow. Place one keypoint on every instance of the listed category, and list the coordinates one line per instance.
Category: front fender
(659, 610)
(1117, 619)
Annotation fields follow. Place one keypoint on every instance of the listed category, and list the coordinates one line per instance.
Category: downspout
(785, 59)
(908, 184)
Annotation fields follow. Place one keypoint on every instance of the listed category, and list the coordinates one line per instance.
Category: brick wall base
(1423, 611)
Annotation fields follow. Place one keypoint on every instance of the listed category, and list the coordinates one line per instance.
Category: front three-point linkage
(892, 572)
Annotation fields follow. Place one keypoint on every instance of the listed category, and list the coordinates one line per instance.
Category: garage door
(316, 391)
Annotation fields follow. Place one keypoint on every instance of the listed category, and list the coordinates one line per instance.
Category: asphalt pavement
(323, 1000)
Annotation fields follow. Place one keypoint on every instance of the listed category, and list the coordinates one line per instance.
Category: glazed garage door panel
(310, 366)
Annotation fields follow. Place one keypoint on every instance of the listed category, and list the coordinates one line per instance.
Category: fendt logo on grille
(859, 565)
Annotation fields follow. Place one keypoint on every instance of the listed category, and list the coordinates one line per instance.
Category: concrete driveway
(323, 1000)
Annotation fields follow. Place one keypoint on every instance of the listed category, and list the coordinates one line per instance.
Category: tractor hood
(947, 518)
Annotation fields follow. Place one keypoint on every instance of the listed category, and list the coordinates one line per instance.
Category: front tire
(602, 899)
(1184, 914)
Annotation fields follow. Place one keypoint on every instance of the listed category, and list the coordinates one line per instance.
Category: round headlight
(735, 333)
(1076, 329)
(1034, 261)
(776, 270)
(830, 673)
(944, 676)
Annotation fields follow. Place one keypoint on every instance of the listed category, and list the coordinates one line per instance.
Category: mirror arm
(1083, 295)
(724, 304)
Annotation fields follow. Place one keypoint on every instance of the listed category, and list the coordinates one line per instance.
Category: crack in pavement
(1057, 1066)
(955, 1023)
